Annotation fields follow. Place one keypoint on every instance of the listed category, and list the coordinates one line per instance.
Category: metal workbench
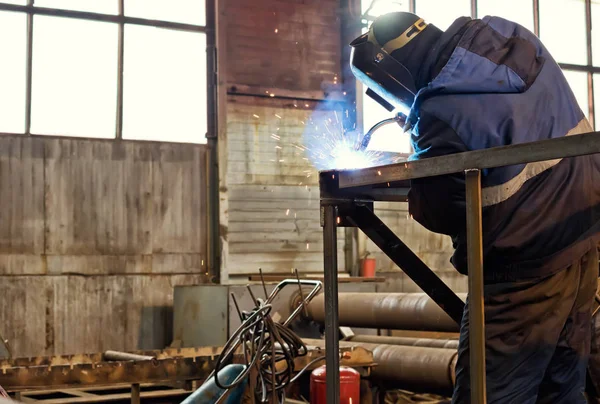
(347, 200)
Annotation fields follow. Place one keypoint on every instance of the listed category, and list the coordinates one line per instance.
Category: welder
(480, 84)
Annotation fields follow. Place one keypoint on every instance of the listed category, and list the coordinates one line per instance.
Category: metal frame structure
(347, 200)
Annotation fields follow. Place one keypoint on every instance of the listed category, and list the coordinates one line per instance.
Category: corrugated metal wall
(94, 235)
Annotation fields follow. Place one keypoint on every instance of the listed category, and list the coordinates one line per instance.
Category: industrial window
(576, 49)
(12, 79)
(132, 69)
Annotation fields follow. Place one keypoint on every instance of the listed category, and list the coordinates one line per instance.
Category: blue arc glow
(328, 145)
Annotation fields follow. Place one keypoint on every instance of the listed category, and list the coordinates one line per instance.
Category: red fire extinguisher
(349, 386)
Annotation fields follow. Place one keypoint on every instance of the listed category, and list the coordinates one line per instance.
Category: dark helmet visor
(382, 74)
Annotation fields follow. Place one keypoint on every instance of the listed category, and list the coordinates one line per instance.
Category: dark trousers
(537, 338)
(593, 388)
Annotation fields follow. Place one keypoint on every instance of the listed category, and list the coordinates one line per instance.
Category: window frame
(588, 68)
(121, 19)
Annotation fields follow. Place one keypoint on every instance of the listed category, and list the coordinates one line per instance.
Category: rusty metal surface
(421, 342)
(91, 369)
(411, 311)
(175, 369)
(170, 365)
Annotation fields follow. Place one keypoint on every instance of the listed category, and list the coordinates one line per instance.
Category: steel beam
(332, 348)
(395, 311)
(475, 299)
(567, 146)
(364, 218)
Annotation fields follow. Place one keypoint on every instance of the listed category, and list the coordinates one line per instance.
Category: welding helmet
(389, 81)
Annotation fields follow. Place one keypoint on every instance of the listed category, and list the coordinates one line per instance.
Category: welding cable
(267, 346)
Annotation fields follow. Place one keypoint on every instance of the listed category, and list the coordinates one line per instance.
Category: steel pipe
(414, 368)
(419, 342)
(399, 311)
(126, 356)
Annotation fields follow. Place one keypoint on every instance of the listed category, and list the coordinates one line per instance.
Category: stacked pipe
(394, 311)
(418, 363)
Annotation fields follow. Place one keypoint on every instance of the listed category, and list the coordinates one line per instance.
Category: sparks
(329, 145)
(307, 246)
(287, 212)
(256, 116)
(277, 117)
(276, 30)
(278, 147)
(271, 95)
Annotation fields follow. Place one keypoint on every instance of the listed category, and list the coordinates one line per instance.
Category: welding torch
(399, 118)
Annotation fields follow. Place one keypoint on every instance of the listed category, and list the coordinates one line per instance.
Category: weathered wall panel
(98, 197)
(74, 314)
(283, 44)
(179, 189)
(104, 230)
(22, 190)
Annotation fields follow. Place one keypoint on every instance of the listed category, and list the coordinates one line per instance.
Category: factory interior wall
(94, 235)
(269, 193)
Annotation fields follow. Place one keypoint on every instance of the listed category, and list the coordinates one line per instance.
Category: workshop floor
(406, 397)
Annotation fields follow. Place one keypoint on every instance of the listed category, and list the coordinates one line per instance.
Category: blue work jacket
(493, 83)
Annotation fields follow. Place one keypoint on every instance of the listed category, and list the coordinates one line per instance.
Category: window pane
(380, 7)
(518, 11)
(187, 11)
(579, 86)
(597, 101)
(12, 79)
(164, 85)
(596, 32)
(74, 77)
(390, 137)
(566, 46)
(95, 6)
(443, 13)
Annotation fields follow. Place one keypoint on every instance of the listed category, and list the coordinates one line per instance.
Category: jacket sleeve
(437, 203)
